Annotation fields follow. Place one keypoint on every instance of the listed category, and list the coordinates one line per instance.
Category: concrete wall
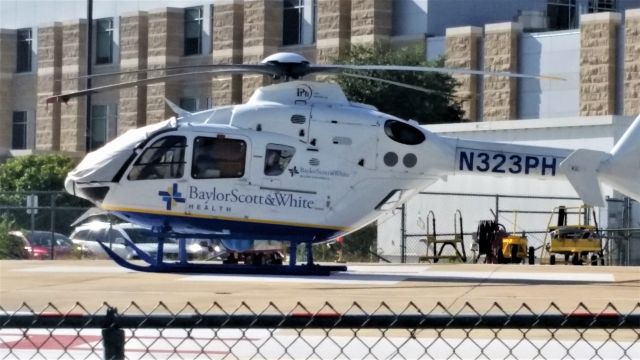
(555, 54)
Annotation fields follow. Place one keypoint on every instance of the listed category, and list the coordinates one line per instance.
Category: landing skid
(191, 268)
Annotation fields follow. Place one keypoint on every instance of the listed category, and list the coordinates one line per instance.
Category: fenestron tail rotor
(286, 66)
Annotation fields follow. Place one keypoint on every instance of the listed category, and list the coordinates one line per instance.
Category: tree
(10, 246)
(438, 107)
(35, 173)
(38, 173)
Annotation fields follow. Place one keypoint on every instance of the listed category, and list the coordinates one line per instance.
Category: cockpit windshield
(164, 159)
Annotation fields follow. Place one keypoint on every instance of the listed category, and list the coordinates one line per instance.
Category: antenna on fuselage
(180, 112)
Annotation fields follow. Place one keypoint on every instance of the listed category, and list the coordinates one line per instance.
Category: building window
(164, 159)
(189, 104)
(218, 158)
(19, 130)
(601, 5)
(193, 30)
(563, 14)
(24, 50)
(98, 127)
(193, 104)
(299, 20)
(102, 125)
(104, 41)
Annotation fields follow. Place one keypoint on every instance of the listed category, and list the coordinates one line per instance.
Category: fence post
(403, 240)
(497, 217)
(52, 225)
(112, 337)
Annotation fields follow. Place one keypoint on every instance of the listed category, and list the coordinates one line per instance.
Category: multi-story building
(595, 44)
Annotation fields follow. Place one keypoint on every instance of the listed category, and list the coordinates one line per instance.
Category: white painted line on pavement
(75, 269)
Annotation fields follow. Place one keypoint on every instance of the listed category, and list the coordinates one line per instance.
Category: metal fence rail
(324, 333)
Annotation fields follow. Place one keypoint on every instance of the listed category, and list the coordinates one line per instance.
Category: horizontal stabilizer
(581, 167)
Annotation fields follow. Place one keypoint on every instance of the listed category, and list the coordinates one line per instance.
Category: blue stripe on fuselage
(237, 229)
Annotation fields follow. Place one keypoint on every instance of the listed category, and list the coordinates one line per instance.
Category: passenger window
(164, 159)
(403, 133)
(277, 158)
(215, 158)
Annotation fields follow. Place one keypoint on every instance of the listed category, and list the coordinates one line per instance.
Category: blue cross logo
(171, 197)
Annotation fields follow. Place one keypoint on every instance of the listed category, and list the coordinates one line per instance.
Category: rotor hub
(289, 65)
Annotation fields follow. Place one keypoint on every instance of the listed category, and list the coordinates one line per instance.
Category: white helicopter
(299, 163)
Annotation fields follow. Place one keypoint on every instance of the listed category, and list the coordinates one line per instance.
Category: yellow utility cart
(575, 242)
(515, 248)
(501, 247)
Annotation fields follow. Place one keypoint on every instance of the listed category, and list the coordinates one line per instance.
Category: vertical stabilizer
(622, 169)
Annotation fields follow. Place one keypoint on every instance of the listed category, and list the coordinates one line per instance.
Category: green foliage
(357, 247)
(438, 107)
(10, 246)
(37, 173)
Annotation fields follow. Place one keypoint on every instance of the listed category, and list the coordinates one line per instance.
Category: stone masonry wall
(227, 49)
(462, 52)
(49, 73)
(262, 37)
(164, 49)
(7, 68)
(74, 64)
(632, 62)
(370, 21)
(333, 29)
(500, 54)
(132, 108)
(598, 63)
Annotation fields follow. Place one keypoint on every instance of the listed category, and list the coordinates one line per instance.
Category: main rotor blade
(258, 67)
(330, 68)
(412, 87)
(65, 97)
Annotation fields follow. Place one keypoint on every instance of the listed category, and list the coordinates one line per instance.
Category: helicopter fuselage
(297, 162)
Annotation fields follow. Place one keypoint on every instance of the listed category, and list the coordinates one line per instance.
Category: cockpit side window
(164, 159)
(215, 158)
(276, 159)
(403, 133)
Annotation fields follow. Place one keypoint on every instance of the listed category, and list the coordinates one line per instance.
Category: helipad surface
(91, 283)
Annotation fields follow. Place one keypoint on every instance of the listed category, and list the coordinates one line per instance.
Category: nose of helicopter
(69, 185)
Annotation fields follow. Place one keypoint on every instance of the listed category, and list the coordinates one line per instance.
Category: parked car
(116, 237)
(38, 244)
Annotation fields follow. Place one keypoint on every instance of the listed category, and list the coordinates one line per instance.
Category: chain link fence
(452, 219)
(51, 211)
(325, 333)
